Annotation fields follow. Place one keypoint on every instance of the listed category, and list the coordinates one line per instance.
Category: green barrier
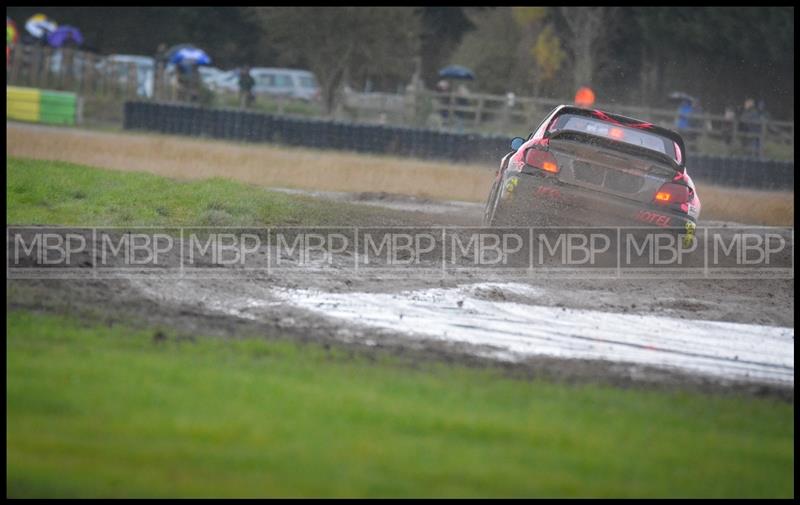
(41, 106)
(57, 107)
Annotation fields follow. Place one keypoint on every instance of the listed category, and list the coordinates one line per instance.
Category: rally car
(589, 167)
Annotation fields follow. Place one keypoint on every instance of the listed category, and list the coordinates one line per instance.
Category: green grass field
(106, 411)
(60, 193)
(100, 409)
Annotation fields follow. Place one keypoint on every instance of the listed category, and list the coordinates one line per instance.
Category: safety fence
(726, 135)
(72, 70)
(241, 125)
(41, 105)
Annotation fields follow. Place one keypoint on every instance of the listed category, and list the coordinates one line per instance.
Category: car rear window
(617, 132)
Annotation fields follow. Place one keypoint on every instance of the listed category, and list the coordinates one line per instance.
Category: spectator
(246, 83)
(687, 122)
(762, 111)
(190, 83)
(685, 110)
(443, 87)
(750, 125)
(186, 91)
(727, 125)
(37, 28)
(584, 97)
(765, 117)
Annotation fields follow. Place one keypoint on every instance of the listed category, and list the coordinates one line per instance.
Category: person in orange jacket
(584, 97)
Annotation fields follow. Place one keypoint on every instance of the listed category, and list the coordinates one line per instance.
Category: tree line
(628, 55)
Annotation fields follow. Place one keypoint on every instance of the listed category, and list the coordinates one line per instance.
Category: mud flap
(506, 211)
(689, 233)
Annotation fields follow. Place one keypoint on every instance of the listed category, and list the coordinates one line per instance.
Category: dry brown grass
(749, 206)
(271, 166)
(189, 158)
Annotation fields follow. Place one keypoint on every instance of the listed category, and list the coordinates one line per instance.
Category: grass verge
(108, 411)
(53, 192)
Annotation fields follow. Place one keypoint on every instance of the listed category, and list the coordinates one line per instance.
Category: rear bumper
(568, 205)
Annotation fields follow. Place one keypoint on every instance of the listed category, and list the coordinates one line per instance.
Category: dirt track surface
(709, 334)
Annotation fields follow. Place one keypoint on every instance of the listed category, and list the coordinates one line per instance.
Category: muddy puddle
(503, 321)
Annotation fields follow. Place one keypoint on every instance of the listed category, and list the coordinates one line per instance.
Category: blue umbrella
(456, 72)
(174, 49)
(189, 56)
(63, 35)
(681, 96)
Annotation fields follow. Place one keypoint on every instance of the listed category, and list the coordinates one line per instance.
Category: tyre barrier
(248, 126)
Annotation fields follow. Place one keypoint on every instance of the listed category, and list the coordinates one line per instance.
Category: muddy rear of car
(584, 167)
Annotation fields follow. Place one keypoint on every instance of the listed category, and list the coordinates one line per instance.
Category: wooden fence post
(410, 106)
(87, 85)
(68, 61)
(79, 110)
(133, 83)
(479, 112)
(33, 68)
(450, 105)
(530, 118)
(704, 128)
(734, 136)
(16, 61)
(48, 56)
(109, 78)
(173, 88)
(102, 89)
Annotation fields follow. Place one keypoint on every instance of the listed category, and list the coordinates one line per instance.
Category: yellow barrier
(23, 103)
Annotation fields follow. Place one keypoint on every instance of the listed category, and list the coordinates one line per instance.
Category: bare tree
(588, 29)
(335, 42)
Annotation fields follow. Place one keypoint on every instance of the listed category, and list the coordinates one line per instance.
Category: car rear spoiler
(630, 123)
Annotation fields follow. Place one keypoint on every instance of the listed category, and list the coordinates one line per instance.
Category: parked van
(287, 82)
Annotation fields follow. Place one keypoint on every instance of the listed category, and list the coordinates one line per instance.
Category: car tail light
(671, 193)
(541, 159)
